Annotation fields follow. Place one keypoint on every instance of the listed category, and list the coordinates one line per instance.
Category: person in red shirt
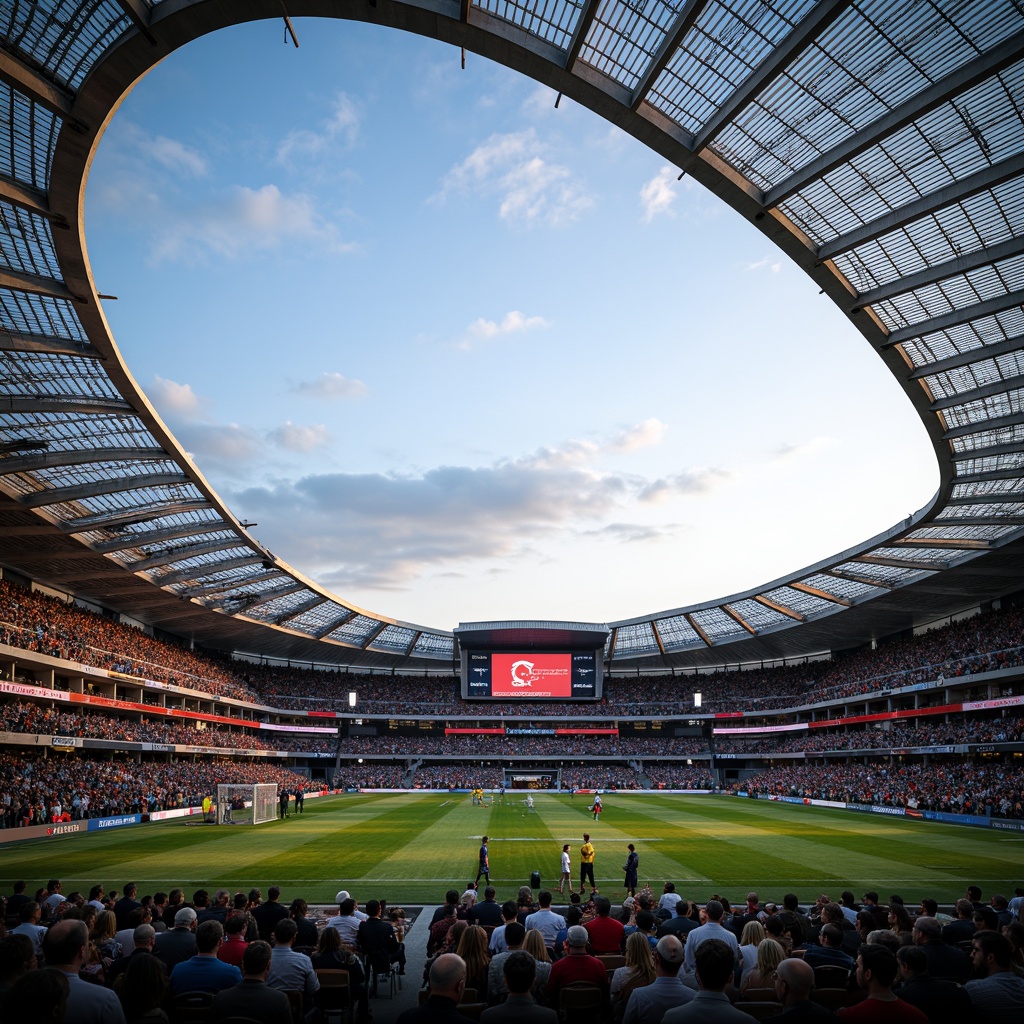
(576, 965)
(876, 971)
(233, 949)
(606, 934)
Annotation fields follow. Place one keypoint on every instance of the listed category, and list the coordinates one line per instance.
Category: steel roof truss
(781, 608)
(71, 457)
(133, 516)
(984, 426)
(903, 563)
(347, 616)
(733, 614)
(990, 177)
(141, 540)
(35, 284)
(686, 18)
(997, 387)
(696, 627)
(43, 344)
(939, 272)
(20, 77)
(299, 609)
(199, 572)
(966, 358)
(870, 581)
(816, 21)
(958, 81)
(59, 495)
(173, 555)
(579, 33)
(823, 594)
(997, 304)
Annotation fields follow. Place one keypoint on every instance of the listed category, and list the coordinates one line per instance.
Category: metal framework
(880, 145)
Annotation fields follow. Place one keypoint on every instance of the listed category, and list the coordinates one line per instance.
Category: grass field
(410, 847)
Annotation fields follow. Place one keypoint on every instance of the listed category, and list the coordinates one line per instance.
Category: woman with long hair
(762, 975)
(473, 950)
(900, 923)
(534, 945)
(329, 955)
(638, 972)
(750, 938)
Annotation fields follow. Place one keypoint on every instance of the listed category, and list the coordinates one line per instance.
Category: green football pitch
(410, 848)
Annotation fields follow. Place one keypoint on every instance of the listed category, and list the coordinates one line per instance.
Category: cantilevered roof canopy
(880, 145)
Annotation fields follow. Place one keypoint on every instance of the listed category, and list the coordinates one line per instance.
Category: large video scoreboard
(531, 661)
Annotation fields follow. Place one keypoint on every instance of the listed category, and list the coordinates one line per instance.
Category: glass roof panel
(552, 20)
(635, 640)
(393, 638)
(677, 634)
(718, 625)
(758, 615)
(890, 575)
(27, 138)
(355, 631)
(805, 604)
(26, 245)
(849, 590)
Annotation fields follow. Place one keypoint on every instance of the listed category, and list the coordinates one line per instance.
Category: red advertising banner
(531, 675)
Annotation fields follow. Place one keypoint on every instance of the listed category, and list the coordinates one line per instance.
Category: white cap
(342, 896)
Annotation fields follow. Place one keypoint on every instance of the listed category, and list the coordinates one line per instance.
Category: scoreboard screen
(536, 675)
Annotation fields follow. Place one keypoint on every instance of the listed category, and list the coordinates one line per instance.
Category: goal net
(246, 803)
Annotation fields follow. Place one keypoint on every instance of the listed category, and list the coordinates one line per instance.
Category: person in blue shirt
(205, 972)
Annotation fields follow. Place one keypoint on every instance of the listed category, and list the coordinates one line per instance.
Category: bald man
(794, 981)
(447, 983)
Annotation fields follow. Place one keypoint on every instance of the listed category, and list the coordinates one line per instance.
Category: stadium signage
(298, 728)
(529, 732)
(123, 819)
(1009, 826)
(65, 741)
(63, 829)
(865, 808)
(880, 809)
(23, 690)
(998, 702)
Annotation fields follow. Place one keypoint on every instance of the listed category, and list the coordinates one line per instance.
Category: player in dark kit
(485, 863)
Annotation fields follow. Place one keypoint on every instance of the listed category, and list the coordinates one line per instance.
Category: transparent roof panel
(677, 634)
(635, 640)
(887, 575)
(26, 245)
(552, 20)
(848, 590)
(355, 631)
(393, 638)
(27, 138)
(798, 601)
(758, 615)
(718, 626)
(65, 36)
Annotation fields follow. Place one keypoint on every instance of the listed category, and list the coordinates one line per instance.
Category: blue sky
(464, 356)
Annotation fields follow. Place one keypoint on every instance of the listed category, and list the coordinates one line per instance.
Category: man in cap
(576, 965)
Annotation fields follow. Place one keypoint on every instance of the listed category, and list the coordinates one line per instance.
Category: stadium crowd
(113, 958)
(37, 790)
(30, 718)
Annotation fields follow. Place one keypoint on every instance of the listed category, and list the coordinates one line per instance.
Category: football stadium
(803, 798)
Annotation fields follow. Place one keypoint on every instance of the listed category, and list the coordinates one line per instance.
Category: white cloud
(700, 480)
(642, 435)
(224, 446)
(340, 128)
(530, 189)
(659, 194)
(246, 220)
(513, 322)
(296, 438)
(174, 400)
(174, 156)
(764, 264)
(332, 386)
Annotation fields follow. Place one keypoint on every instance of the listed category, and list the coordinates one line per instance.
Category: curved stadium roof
(880, 145)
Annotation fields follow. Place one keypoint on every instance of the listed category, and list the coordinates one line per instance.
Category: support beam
(983, 426)
(412, 643)
(25, 197)
(688, 14)
(968, 358)
(465, 6)
(144, 539)
(868, 581)
(272, 595)
(348, 616)
(995, 474)
(957, 82)
(20, 77)
(657, 636)
(77, 492)
(71, 404)
(940, 272)
(133, 516)
(300, 609)
(997, 387)
(695, 626)
(45, 345)
(52, 459)
(180, 554)
(373, 634)
(816, 21)
(735, 615)
(955, 317)
(579, 35)
(36, 284)
(957, 543)
(1005, 497)
(1012, 448)
(823, 594)
(200, 572)
(782, 609)
(904, 563)
(979, 521)
(955, 192)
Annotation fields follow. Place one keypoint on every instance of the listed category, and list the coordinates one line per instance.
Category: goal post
(246, 803)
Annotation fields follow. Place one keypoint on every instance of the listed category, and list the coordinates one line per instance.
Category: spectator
(519, 972)
(204, 972)
(794, 982)
(66, 948)
(942, 1001)
(252, 997)
(714, 964)
(876, 972)
(997, 994)
(179, 944)
(648, 1004)
(447, 983)
(289, 969)
(576, 965)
